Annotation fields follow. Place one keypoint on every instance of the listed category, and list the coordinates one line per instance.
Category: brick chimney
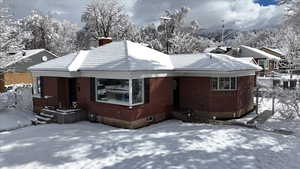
(104, 40)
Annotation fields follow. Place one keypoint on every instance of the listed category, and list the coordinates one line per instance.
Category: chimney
(104, 41)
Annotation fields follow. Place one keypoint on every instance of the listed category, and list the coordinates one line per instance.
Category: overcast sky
(209, 13)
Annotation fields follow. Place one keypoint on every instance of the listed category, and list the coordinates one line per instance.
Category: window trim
(36, 86)
(266, 63)
(130, 93)
(218, 84)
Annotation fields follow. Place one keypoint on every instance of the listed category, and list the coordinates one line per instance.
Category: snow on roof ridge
(156, 58)
(78, 60)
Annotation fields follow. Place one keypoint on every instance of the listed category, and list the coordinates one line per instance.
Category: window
(224, 83)
(137, 91)
(263, 63)
(121, 92)
(37, 86)
(112, 91)
(214, 83)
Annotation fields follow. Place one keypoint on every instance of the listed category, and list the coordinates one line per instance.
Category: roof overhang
(144, 74)
(56, 74)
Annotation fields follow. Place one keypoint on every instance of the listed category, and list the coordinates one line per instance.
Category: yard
(171, 144)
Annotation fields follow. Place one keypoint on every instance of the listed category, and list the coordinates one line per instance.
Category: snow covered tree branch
(103, 17)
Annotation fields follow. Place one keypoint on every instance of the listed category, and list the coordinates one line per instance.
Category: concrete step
(37, 122)
(46, 115)
(42, 118)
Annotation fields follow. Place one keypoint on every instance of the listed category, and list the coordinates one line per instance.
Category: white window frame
(218, 84)
(36, 86)
(130, 102)
(131, 93)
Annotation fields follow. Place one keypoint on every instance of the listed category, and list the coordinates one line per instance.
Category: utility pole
(223, 31)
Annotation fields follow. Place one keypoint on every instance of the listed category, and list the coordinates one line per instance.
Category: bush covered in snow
(286, 102)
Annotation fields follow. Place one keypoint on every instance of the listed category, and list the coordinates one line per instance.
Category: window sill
(118, 103)
(37, 96)
(225, 90)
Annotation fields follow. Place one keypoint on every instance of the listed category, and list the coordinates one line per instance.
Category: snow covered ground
(167, 145)
(12, 118)
(16, 108)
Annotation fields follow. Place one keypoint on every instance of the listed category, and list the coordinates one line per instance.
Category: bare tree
(102, 18)
(49, 33)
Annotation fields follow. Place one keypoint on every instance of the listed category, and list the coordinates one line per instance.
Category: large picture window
(224, 83)
(120, 91)
(112, 91)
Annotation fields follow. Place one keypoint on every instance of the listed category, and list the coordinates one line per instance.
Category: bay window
(120, 91)
(137, 91)
(224, 83)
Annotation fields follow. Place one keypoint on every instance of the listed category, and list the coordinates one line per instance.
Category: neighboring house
(128, 85)
(267, 61)
(283, 63)
(15, 70)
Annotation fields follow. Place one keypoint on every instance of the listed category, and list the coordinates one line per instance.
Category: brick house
(15, 70)
(129, 85)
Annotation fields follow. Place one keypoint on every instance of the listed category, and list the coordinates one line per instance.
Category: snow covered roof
(279, 51)
(115, 56)
(246, 51)
(58, 64)
(221, 48)
(248, 60)
(125, 55)
(19, 56)
(129, 56)
(210, 62)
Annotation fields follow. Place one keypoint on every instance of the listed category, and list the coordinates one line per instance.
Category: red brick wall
(160, 102)
(245, 91)
(223, 101)
(196, 94)
(57, 89)
(50, 88)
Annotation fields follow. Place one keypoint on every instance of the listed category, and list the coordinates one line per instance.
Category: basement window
(128, 92)
(224, 83)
